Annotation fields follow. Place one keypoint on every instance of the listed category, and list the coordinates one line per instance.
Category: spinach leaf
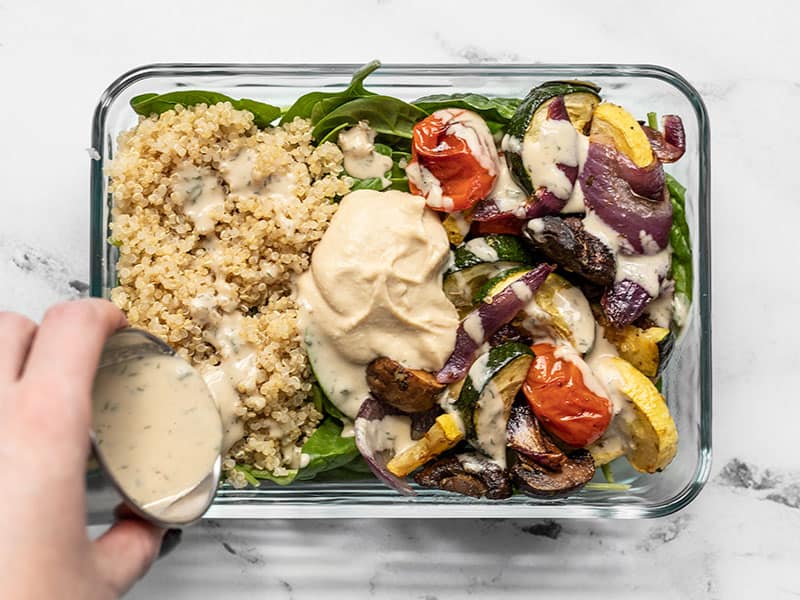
(315, 105)
(327, 449)
(356, 470)
(383, 149)
(323, 404)
(371, 183)
(386, 115)
(253, 476)
(150, 104)
(680, 240)
(495, 111)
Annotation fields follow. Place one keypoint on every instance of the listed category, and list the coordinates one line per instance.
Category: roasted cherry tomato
(561, 401)
(454, 161)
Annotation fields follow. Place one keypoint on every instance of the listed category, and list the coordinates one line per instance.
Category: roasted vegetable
(534, 480)
(468, 474)
(479, 260)
(565, 397)
(480, 324)
(454, 162)
(646, 349)
(625, 302)
(525, 436)
(409, 390)
(577, 101)
(670, 145)
(376, 430)
(625, 133)
(486, 397)
(443, 435)
(565, 242)
(562, 312)
(631, 200)
(645, 423)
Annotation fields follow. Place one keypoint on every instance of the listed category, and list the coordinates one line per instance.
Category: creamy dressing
(569, 354)
(473, 131)
(360, 158)
(223, 389)
(391, 433)
(575, 203)
(490, 425)
(522, 291)
(645, 269)
(473, 326)
(375, 287)
(202, 197)
(556, 142)
(573, 312)
(594, 225)
(680, 307)
(506, 194)
(479, 371)
(427, 183)
(480, 248)
(238, 172)
(573, 307)
(660, 310)
(158, 431)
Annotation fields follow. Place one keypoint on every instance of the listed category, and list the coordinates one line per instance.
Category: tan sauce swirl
(375, 289)
(360, 158)
(158, 431)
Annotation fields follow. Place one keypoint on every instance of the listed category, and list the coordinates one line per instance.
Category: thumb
(125, 552)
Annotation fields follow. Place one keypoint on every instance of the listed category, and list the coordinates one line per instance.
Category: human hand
(46, 376)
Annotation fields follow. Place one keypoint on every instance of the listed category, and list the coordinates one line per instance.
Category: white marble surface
(740, 539)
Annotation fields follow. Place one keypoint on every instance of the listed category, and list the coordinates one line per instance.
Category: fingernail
(171, 538)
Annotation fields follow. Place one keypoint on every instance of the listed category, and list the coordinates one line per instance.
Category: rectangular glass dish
(686, 381)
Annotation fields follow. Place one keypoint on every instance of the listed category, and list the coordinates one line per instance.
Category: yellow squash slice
(615, 122)
(653, 437)
(443, 435)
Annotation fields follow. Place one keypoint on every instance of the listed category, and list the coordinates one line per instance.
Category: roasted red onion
(625, 302)
(670, 145)
(374, 410)
(620, 193)
(487, 319)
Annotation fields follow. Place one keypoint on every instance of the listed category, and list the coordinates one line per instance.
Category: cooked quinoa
(193, 276)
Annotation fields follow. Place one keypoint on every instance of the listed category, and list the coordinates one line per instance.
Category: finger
(16, 335)
(67, 345)
(124, 553)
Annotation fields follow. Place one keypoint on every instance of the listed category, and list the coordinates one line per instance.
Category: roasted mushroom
(566, 242)
(524, 435)
(409, 390)
(534, 480)
(468, 474)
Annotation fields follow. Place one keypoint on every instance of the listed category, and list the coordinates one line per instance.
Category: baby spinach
(396, 176)
(679, 239)
(495, 111)
(323, 404)
(315, 105)
(387, 115)
(355, 470)
(254, 476)
(370, 183)
(327, 450)
(150, 104)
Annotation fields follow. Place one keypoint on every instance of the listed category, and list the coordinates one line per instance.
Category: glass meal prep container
(686, 380)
